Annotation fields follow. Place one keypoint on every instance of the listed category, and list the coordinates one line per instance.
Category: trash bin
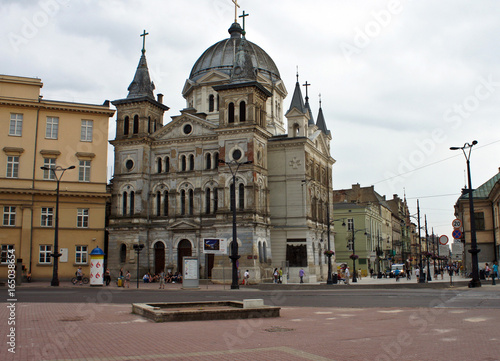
(120, 282)
(335, 278)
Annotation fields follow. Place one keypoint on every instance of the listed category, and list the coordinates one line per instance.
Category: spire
(321, 124)
(142, 86)
(308, 107)
(297, 100)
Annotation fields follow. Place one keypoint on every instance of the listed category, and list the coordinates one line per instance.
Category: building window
(216, 161)
(9, 216)
(479, 221)
(208, 164)
(211, 102)
(207, 201)
(191, 162)
(52, 128)
(84, 171)
(158, 204)
(126, 125)
(230, 113)
(183, 163)
(86, 131)
(165, 204)
(216, 200)
(191, 202)
(12, 166)
(136, 124)
(132, 203)
(47, 217)
(243, 112)
(49, 163)
(4, 255)
(124, 203)
(82, 219)
(167, 164)
(16, 125)
(241, 196)
(158, 165)
(183, 202)
(81, 255)
(350, 224)
(44, 254)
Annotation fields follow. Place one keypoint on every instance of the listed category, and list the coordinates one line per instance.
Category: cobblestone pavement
(109, 332)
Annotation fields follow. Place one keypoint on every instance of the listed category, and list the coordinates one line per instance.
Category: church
(173, 180)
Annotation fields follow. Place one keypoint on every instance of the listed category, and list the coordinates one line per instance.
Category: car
(397, 266)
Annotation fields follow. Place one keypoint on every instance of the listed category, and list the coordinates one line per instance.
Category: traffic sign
(443, 240)
(456, 234)
(457, 223)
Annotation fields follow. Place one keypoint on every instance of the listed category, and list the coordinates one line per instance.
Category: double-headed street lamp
(353, 255)
(55, 253)
(475, 282)
(138, 248)
(234, 245)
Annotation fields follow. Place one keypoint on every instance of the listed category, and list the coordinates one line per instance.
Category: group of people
(162, 278)
(278, 275)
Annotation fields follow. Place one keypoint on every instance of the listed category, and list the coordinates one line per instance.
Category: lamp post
(234, 245)
(475, 282)
(421, 278)
(55, 253)
(138, 248)
(429, 277)
(354, 256)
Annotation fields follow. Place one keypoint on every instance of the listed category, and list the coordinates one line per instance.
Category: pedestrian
(487, 271)
(301, 275)
(162, 280)
(371, 272)
(359, 274)
(275, 275)
(347, 275)
(417, 274)
(127, 279)
(79, 275)
(107, 277)
(495, 269)
(247, 277)
(280, 273)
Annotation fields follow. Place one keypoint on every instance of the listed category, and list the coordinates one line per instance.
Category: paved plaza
(109, 331)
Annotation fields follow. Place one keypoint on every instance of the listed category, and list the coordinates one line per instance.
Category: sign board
(456, 234)
(190, 277)
(444, 250)
(457, 223)
(443, 240)
(64, 255)
(214, 246)
(457, 248)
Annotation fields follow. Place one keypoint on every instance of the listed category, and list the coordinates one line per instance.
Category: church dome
(221, 57)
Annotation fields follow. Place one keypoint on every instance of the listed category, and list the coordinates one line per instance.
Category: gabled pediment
(183, 225)
(188, 86)
(319, 138)
(213, 76)
(294, 112)
(177, 127)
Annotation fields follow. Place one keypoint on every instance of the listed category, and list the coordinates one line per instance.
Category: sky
(400, 81)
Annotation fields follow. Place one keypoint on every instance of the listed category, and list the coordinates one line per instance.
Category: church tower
(299, 115)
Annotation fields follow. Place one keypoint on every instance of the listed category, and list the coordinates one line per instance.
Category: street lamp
(354, 256)
(138, 248)
(234, 245)
(55, 253)
(475, 282)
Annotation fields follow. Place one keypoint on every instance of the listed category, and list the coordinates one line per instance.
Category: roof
(141, 86)
(297, 100)
(484, 190)
(321, 122)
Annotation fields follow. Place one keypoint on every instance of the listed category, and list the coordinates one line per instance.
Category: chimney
(160, 98)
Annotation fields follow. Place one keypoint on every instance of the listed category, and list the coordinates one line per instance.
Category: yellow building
(55, 135)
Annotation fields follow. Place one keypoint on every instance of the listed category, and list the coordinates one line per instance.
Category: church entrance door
(159, 257)
(183, 250)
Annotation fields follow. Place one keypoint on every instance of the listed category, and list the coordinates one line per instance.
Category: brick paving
(109, 332)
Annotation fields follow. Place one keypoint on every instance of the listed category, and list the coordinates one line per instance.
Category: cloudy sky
(400, 81)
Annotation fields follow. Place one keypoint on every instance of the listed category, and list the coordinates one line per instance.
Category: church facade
(172, 182)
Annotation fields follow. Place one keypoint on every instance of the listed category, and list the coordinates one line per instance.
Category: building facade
(172, 184)
(54, 135)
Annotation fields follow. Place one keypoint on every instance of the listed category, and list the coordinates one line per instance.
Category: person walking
(495, 270)
(280, 273)
(301, 275)
(275, 275)
(107, 277)
(79, 275)
(127, 280)
(247, 277)
(162, 280)
(347, 275)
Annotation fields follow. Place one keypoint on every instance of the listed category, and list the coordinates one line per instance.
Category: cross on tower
(306, 85)
(143, 35)
(236, 6)
(244, 16)
(320, 100)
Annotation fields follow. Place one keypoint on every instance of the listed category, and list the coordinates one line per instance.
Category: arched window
(216, 200)
(211, 102)
(158, 203)
(296, 130)
(191, 162)
(149, 124)
(217, 102)
(264, 251)
(243, 112)
(132, 202)
(183, 163)
(216, 161)
(241, 196)
(191, 202)
(167, 164)
(123, 253)
(231, 192)
(208, 161)
(183, 202)
(136, 124)
(158, 165)
(260, 252)
(207, 201)
(230, 113)
(126, 125)
(124, 203)
(165, 204)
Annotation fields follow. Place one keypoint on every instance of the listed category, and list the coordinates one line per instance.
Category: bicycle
(85, 280)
